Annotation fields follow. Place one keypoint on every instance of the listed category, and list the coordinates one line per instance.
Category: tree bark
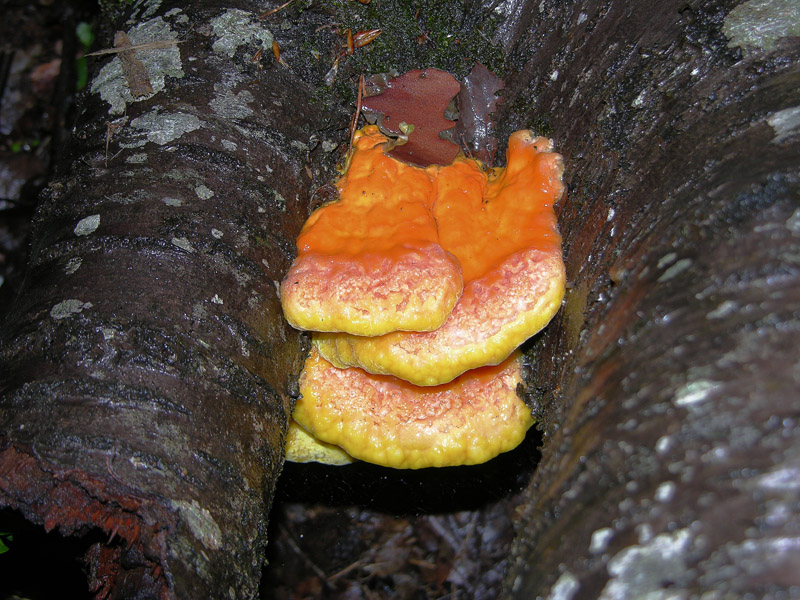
(671, 449)
(146, 369)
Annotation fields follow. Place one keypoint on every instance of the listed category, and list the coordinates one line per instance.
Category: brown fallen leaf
(477, 102)
(411, 107)
(365, 36)
(133, 69)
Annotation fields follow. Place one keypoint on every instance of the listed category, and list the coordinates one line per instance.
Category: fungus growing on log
(302, 447)
(502, 228)
(384, 420)
(443, 394)
(371, 262)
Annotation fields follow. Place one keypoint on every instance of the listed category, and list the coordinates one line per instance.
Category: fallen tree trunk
(671, 445)
(146, 368)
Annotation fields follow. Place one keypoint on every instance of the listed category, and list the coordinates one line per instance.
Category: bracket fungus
(384, 420)
(371, 263)
(477, 252)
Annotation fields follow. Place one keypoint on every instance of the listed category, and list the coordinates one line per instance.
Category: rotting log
(670, 406)
(146, 369)
(668, 391)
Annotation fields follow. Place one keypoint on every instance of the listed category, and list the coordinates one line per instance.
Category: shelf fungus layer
(370, 262)
(502, 228)
(384, 420)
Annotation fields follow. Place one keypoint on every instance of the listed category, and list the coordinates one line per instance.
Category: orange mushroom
(377, 270)
(371, 263)
(387, 421)
(502, 228)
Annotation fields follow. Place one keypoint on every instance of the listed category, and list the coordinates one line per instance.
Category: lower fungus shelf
(387, 421)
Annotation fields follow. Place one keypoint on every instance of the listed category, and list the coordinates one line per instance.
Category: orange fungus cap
(502, 229)
(371, 262)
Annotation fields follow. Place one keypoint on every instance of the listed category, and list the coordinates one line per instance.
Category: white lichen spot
(676, 269)
(229, 145)
(163, 128)
(172, 201)
(230, 105)
(639, 100)
(640, 571)
(793, 222)
(695, 392)
(137, 463)
(136, 159)
(73, 264)
(159, 63)
(665, 492)
(87, 225)
(565, 587)
(203, 192)
(200, 522)
(216, 233)
(199, 311)
(554, 75)
(151, 7)
(241, 277)
(183, 244)
(668, 258)
(177, 15)
(216, 299)
(582, 18)
(280, 200)
(663, 444)
(786, 123)
(761, 23)
(785, 480)
(67, 308)
(611, 213)
(723, 310)
(329, 146)
(235, 28)
(131, 197)
(600, 539)
(301, 146)
(108, 333)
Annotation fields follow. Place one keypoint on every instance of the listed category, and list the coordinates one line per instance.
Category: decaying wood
(671, 438)
(146, 369)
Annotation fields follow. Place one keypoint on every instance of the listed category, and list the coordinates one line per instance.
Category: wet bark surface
(665, 389)
(146, 370)
(670, 413)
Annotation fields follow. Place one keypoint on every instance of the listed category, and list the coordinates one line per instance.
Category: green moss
(420, 34)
